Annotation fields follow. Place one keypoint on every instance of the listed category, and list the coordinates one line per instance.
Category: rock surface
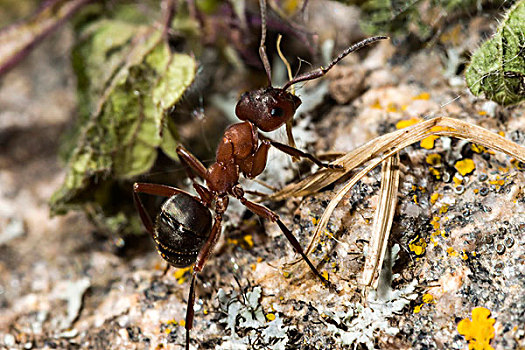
(457, 241)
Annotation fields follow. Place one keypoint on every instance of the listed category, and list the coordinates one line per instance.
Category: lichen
(479, 331)
(247, 323)
(465, 166)
(362, 323)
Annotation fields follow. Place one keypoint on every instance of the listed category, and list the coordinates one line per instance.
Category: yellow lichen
(479, 331)
(407, 122)
(428, 298)
(391, 107)
(501, 133)
(182, 323)
(517, 164)
(376, 105)
(451, 251)
(477, 148)
(435, 172)
(434, 197)
(434, 159)
(465, 166)
(463, 255)
(418, 246)
(249, 240)
(422, 96)
(325, 275)
(180, 274)
(457, 181)
(414, 197)
(417, 308)
(428, 142)
(270, 316)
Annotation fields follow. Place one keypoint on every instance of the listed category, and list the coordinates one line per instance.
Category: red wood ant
(183, 231)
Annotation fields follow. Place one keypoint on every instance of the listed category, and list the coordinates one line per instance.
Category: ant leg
(166, 269)
(202, 258)
(294, 152)
(266, 213)
(191, 163)
(190, 313)
(255, 163)
(319, 72)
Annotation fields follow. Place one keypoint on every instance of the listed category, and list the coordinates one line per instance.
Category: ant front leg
(266, 213)
(192, 164)
(294, 152)
(202, 258)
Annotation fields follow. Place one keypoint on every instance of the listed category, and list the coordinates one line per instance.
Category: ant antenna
(319, 72)
(262, 46)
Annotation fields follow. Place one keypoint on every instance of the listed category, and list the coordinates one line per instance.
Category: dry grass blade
(396, 141)
(381, 149)
(384, 216)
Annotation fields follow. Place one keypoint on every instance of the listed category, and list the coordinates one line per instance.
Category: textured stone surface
(63, 284)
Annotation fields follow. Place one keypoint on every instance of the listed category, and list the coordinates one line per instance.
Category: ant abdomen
(181, 228)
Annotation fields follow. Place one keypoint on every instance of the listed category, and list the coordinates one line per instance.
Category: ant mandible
(183, 230)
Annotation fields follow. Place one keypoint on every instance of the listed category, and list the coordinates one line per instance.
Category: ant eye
(277, 112)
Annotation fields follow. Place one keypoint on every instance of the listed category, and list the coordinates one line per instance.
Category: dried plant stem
(380, 150)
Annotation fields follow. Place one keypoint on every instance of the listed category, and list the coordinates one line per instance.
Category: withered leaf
(139, 80)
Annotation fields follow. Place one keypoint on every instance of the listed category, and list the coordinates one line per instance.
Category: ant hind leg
(202, 258)
(266, 213)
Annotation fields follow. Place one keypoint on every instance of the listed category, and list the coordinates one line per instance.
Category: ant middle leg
(266, 213)
(294, 152)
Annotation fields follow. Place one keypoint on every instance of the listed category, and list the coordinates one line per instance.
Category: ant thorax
(268, 108)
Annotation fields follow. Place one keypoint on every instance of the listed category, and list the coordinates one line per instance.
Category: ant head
(267, 108)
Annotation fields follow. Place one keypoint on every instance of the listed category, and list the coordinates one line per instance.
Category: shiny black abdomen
(181, 228)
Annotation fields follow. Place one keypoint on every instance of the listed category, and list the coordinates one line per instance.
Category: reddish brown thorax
(267, 108)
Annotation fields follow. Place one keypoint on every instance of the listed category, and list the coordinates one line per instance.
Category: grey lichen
(361, 322)
(247, 324)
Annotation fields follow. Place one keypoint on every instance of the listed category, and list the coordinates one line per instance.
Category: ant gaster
(183, 231)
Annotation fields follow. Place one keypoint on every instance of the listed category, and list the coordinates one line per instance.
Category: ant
(183, 231)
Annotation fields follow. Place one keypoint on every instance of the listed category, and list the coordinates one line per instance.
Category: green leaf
(139, 80)
(497, 68)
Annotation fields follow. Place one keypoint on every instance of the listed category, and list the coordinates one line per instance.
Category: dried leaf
(121, 138)
(380, 150)
(389, 144)
(384, 216)
(497, 68)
